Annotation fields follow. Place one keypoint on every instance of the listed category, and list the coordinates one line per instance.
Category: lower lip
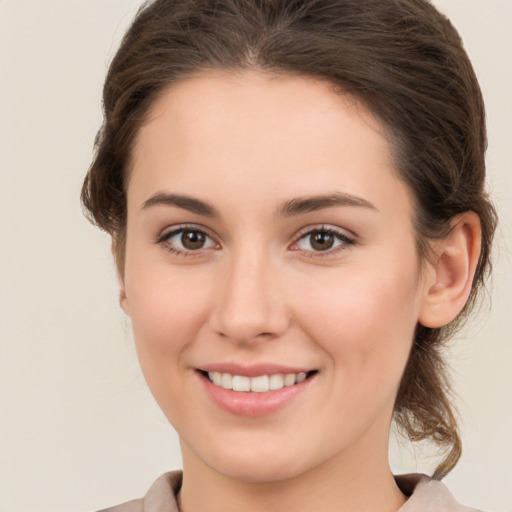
(251, 404)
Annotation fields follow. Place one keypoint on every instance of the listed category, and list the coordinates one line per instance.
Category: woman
(295, 193)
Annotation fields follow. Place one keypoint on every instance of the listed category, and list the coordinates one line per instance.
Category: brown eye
(186, 240)
(193, 240)
(321, 240)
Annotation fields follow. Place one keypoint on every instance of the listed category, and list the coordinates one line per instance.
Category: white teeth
(276, 381)
(216, 377)
(241, 383)
(226, 381)
(289, 380)
(259, 384)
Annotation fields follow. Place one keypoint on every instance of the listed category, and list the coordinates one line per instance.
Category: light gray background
(78, 430)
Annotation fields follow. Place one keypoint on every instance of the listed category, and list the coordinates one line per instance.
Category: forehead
(237, 93)
(260, 131)
(213, 99)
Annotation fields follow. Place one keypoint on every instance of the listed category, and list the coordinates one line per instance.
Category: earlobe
(453, 272)
(123, 300)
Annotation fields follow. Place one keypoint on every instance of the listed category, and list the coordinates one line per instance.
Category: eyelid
(170, 231)
(347, 237)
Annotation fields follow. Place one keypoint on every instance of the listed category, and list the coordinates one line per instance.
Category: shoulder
(161, 496)
(427, 494)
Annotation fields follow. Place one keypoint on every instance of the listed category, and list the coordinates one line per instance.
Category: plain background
(78, 429)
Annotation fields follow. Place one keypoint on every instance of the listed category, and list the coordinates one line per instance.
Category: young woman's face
(269, 241)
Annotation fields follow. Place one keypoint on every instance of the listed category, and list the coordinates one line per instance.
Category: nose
(250, 305)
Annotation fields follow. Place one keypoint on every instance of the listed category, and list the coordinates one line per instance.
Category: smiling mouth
(258, 384)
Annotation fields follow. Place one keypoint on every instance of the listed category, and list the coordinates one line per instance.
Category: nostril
(245, 331)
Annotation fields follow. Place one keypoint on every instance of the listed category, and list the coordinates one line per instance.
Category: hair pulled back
(401, 58)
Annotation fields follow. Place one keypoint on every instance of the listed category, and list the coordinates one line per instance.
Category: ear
(123, 300)
(450, 282)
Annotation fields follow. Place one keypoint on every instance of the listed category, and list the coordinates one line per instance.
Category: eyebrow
(308, 204)
(188, 203)
(296, 206)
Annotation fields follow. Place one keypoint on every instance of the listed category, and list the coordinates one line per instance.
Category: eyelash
(164, 238)
(340, 236)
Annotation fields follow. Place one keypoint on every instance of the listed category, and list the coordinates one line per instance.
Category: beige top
(426, 495)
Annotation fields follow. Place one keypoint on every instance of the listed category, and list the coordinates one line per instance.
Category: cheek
(166, 309)
(365, 320)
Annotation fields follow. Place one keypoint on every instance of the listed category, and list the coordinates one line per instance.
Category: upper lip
(252, 370)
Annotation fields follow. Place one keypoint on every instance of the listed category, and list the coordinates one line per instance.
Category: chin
(272, 463)
(258, 471)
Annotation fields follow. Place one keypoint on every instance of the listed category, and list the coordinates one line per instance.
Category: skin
(258, 291)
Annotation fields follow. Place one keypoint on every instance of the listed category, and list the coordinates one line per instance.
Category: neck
(340, 484)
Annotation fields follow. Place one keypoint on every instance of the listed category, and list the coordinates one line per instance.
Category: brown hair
(401, 58)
